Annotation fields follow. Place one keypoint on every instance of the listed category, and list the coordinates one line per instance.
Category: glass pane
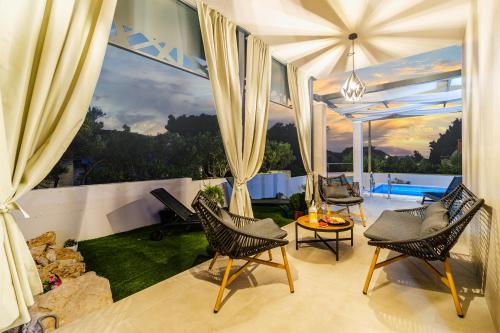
(166, 30)
(146, 121)
(282, 145)
(279, 84)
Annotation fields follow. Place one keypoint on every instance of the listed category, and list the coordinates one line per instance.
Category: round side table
(304, 223)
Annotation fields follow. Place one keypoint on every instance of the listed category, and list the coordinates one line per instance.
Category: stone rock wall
(79, 294)
(50, 259)
(73, 299)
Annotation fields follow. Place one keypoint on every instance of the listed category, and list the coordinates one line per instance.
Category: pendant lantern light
(353, 88)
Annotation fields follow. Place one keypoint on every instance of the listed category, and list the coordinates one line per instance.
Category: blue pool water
(414, 190)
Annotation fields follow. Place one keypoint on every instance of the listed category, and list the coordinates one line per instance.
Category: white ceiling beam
(411, 113)
(436, 97)
(455, 76)
(354, 108)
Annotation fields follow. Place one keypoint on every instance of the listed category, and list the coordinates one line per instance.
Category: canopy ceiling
(313, 33)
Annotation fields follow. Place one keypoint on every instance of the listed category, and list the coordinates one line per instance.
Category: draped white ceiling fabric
(313, 33)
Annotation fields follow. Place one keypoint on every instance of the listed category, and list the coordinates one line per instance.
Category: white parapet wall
(92, 211)
(268, 185)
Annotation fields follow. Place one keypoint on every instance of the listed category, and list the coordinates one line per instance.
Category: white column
(357, 152)
(319, 141)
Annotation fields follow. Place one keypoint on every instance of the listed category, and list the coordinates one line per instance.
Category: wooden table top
(303, 221)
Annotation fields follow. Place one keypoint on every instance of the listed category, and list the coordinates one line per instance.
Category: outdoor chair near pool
(427, 232)
(433, 196)
(239, 237)
(338, 191)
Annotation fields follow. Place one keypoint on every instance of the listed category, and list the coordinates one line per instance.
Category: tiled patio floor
(403, 297)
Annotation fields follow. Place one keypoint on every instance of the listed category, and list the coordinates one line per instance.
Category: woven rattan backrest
(220, 235)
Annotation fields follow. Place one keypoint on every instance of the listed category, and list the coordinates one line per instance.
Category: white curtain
(50, 61)
(244, 156)
(257, 96)
(481, 138)
(298, 84)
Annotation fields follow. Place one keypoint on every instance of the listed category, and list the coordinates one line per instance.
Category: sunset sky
(395, 136)
(142, 93)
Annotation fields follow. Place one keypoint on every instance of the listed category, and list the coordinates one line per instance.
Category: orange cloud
(445, 67)
(404, 71)
(396, 136)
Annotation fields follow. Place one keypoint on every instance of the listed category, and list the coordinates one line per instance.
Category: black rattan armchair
(354, 198)
(241, 238)
(461, 205)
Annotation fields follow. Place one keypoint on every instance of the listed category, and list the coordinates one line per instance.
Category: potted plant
(298, 204)
(215, 193)
(71, 244)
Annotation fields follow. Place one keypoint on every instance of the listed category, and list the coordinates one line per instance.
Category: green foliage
(191, 147)
(447, 142)
(192, 125)
(278, 156)
(298, 202)
(288, 133)
(110, 156)
(444, 158)
(452, 165)
(215, 193)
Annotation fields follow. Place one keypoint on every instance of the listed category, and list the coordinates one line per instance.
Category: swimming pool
(413, 190)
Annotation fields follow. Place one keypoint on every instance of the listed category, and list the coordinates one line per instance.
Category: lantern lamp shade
(353, 88)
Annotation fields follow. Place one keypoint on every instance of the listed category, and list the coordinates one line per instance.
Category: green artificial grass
(132, 262)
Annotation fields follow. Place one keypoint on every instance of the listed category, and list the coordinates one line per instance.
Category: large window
(147, 120)
(152, 114)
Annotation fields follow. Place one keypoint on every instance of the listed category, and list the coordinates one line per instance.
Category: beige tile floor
(403, 297)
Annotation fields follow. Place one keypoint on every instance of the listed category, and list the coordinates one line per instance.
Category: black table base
(319, 239)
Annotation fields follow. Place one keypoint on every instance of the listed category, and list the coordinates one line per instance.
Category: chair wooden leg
(223, 285)
(270, 255)
(287, 268)
(372, 268)
(363, 222)
(214, 259)
(453, 289)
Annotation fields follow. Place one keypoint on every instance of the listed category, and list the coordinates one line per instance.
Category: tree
(192, 125)
(88, 147)
(447, 142)
(126, 128)
(417, 156)
(452, 165)
(54, 175)
(277, 156)
(288, 133)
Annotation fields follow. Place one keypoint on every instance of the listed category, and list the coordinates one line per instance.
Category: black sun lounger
(436, 196)
(175, 213)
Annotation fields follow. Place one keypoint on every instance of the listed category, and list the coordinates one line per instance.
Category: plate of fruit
(335, 220)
